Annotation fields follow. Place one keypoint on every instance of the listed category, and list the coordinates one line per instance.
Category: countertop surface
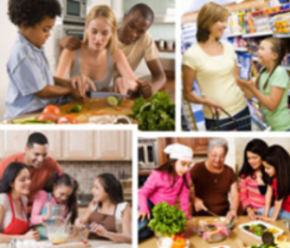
(235, 236)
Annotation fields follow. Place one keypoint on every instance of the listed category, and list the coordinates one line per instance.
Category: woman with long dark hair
(61, 189)
(165, 184)
(252, 176)
(276, 163)
(108, 215)
(14, 189)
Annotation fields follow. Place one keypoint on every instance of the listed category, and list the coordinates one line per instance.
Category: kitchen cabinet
(13, 142)
(199, 145)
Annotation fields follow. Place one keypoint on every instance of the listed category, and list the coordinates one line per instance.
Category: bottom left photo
(66, 188)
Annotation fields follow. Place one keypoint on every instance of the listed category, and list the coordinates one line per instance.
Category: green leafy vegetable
(167, 219)
(156, 115)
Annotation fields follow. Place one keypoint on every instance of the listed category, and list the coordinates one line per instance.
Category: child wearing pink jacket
(166, 184)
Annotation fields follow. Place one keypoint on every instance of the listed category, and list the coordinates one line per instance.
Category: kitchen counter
(235, 236)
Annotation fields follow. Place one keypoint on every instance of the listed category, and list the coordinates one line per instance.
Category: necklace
(215, 177)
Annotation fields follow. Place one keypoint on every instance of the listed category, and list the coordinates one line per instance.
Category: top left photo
(88, 61)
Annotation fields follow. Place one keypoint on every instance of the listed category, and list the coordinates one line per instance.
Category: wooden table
(235, 236)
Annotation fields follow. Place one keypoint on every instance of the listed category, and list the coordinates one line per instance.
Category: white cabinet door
(78, 145)
(14, 142)
(112, 145)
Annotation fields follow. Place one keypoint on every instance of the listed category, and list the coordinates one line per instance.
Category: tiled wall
(85, 172)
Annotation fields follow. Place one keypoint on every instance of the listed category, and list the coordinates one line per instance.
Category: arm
(234, 198)
(268, 200)
(81, 221)
(125, 236)
(158, 74)
(50, 91)
(188, 95)
(39, 202)
(123, 65)
(277, 208)
(65, 63)
(184, 197)
(244, 194)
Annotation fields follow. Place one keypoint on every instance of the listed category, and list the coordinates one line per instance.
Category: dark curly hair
(32, 12)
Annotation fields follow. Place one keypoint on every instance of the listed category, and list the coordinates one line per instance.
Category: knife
(92, 94)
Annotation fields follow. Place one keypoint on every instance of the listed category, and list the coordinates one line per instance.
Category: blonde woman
(213, 64)
(98, 55)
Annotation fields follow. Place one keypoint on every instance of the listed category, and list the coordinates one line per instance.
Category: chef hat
(178, 151)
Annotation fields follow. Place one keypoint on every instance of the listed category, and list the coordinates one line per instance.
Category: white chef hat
(178, 151)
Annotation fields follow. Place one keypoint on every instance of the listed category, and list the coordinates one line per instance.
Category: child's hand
(82, 84)
(79, 224)
(145, 88)
(248, 84)
(98, 229)
(143, 216)
(266, 218)
(31, 235)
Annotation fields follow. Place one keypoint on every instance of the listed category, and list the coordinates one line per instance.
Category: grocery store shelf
(234, 35)
(258, 34)
(241, 49)
(282, 35)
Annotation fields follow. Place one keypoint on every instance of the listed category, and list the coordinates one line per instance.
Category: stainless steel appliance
(74, 11)
(148, 154)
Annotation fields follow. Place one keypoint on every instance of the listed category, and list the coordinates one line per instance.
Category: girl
(272, 85)
(14, 189)
(166, 184)
(108, 215)
(213, 64)
(252, 176)
(276, 163)
(99, 54)
(61, 189)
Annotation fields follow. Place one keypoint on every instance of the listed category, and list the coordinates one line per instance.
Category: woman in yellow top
(98, 55)
(213, 64)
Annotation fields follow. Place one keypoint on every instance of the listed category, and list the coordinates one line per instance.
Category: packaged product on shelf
(245, 66)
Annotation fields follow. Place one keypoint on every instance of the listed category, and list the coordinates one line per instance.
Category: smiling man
(137, 44)
(41, 166)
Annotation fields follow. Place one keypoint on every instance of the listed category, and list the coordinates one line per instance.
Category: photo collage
(150, 124)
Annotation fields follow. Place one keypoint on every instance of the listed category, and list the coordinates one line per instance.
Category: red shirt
(39, 176)
(286, 202)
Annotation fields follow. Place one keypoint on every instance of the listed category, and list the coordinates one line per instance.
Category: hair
(169, 168)
(209, 14)
(217, 142)
(31, 13)
(277, 46)
(36, 138)
(256, 146)
(145, 11)
(9, 176)
(106, 13)
(58, 179)
(112, 187)
(278, 157)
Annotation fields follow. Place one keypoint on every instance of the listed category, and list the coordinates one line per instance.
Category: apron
(107, 221)
(16, 226)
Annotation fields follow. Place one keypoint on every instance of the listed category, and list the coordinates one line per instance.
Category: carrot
(118, 108)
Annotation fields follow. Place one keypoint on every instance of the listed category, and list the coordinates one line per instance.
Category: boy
(32, 85)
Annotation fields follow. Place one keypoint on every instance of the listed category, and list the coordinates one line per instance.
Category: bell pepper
(179, 242)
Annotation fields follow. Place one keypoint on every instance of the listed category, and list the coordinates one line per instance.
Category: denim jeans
(144, 231)
(284, 215)
(243, 122)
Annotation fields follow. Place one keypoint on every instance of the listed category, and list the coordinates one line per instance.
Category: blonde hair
(209, 14)
(105, 12)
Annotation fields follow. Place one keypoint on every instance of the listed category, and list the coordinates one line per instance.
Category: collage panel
(213, 192)
(235, 65)
(88, 61)
(66, 188)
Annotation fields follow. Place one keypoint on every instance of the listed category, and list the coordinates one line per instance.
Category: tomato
(48, 117)
(179, 242)
(51, 109)
(67, 119)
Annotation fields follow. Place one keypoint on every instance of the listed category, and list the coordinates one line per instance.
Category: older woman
(214, 182)
(213, 64)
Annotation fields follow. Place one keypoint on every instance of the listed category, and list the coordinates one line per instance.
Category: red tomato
(48, 117)
(67, 119)
(51, 109)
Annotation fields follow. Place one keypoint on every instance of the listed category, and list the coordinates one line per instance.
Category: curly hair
(30, 12)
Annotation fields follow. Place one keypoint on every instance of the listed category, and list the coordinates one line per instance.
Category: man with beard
(41, 166)
(137, 44)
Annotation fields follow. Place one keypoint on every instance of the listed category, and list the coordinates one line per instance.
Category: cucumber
(113, 101)
(24, 120)
(76, 109)
(38, 122)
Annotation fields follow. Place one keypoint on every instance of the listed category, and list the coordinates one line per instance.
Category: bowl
(216, 234)
(159, 243)
(57, 231)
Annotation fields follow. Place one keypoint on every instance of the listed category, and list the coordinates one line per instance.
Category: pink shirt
(157, 189)
(40, 200)
(250, 194)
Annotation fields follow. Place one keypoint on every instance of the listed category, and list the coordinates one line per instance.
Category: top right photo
(235, 65)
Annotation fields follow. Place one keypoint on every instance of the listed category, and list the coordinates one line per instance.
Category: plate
(280, 231)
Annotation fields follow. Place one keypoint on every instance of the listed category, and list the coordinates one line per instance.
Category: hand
(145, 88)
(213, 106)
(251, 213)
(248, 84)
(199, 205)
(79, 224)
(31, 235)
(143, 216)
(232, 214)
(266, 218)
(123, 85)
(82, 84)
(98, 229)
(70, 43)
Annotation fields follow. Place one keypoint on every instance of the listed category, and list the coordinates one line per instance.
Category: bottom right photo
(214, 192)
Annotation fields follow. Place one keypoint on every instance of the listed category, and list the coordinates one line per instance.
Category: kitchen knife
(92, 94)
